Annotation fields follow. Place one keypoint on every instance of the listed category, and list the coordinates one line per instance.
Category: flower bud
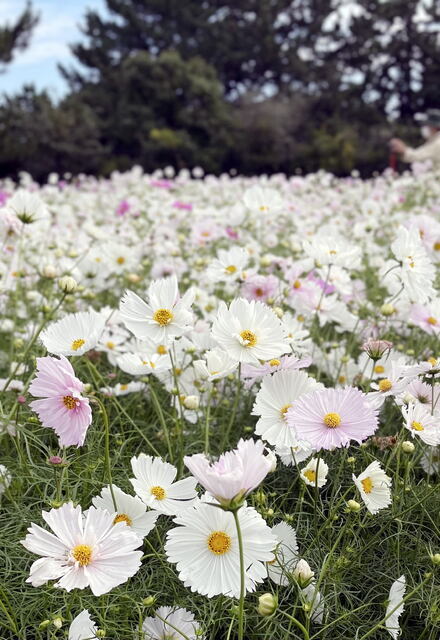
(436, 558)
(133, 277)
(267, 604)
(407, 446)
(44, 624)
(191, 402)
(353, 506)
(387, 309)
(270, 455)
(57, 622)
(303, 573)
(375, 349)
(49, 271)
(149, 601)
(67, 284)
(278, 312)
(100, 633)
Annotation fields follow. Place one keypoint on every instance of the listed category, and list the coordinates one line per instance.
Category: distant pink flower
(235, 474)
(62, 408)
(376, 348)
(231, 233)
(260, 287)
(123, 207)
(330, 418)
(186, 206)
(162, 184)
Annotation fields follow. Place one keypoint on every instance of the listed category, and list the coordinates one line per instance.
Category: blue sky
(58, 27)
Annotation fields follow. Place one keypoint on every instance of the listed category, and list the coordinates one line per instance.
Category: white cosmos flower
(142, 364)
(315, 473)
(262, 199)
(165, 316)
(276, 395)
(374, 486)
(291, 456)
(169, 622)
(130, 509)
(249, 331)
(417, 271)
(333, 251)
(216, 365)
(395, 607)
(420, 422)
(286, 554)
(205, 549)
(82, 627)
(74, 334)
(28, 207)
(82, 551)
(229, 265)
(123, 389)
(154, 484)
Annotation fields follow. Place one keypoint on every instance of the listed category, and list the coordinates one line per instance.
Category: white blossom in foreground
(82, 551)
(130, 509)
(286, 554)
(74, 334)
(249, 331)
(374, 486)
(82, 627)
(395, 607)
(204, 548)
(171, 623)
(155, 486)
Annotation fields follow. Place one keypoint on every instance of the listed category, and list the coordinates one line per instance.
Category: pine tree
(16, 37)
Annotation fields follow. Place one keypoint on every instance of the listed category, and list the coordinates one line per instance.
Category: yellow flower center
(77, 344)
(82, 554)
(264, 208)
(332, 420)
(411, 263)
(163, 316)
(219, 542)
(69, 402)
(122, 517)
(123, 387)
(297, 284)
(417, 426)
(332, 252)
(432, 361)
(231, 269)
(367, 485)
(285, 409)
(310, 475)
(110, 345)
(437, 246)
(379, 368)
(162, 350)
(120, 260)
(342, 379)
(249, 338)
(431, 320)
(274, 362)
(385, 385)
(158, 492)
(259, 292)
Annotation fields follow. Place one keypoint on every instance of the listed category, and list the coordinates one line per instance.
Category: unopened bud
(149, 601)
(278, 312)
(49, 271)
(100, 633)
(267, 604)
(191, 402)
(67, 284)
(407, 446)
(353, 506)
(387, 309)
(57, 622)
(271, 457)
(436, 558)
(303, 573)
(44, 624)
(133, 277)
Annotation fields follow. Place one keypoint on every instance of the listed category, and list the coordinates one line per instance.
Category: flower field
(219, 407)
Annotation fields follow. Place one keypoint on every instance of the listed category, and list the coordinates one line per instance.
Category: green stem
(234, 408)
(208, 415)
(162, 420)
(242, 576)
(107, 450)
(297, 624)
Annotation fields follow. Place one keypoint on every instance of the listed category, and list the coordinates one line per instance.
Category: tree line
(251, 85)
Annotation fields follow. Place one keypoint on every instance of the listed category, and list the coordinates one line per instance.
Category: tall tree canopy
(16, 36)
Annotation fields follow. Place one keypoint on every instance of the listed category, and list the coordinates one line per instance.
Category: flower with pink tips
(61, 406)
(330, 418)
(235, 474)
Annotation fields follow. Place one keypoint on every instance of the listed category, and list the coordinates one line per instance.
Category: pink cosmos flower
(330, 418)
(426, 317)
(61, 408)
(235, 474)
(260, 287)
(123, 207)
(186, 206)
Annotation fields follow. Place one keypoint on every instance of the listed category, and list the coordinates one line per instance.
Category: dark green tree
(16, 36)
